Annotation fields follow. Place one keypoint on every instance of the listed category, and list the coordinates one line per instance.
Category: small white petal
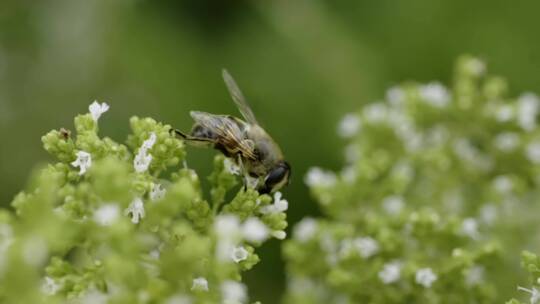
(305, 230)
(96, 109)
(317, 177)
(135, 210)
(393, 204)
(474, 276)
(366, 246)
(142, 160)
(157, 192)
(395, 96)
(503, 184)
(376, 112)
(469, 227)
(231, 167)
(106, 214)
(83, 161)
(504, 113)
(349, 126)
(278, 206)
(528, 107)
(233, 292)
(279, 234)
(254, 230)
(239, 254)
(506, 142)
(200, 284)
(390, 273)
(435, 94)
(535, 294)
(50, 286)
(227, 227)
(425, 277)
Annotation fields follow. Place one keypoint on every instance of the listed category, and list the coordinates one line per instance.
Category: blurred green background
(301, 64)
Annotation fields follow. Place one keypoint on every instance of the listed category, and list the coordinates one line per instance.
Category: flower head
(435, 94)
(200, 284)
(349, 125)
(254, 230)
(83, 161)
(143, 158)
(366, 246)
(239, 254)
(233, 292)
(390, 273)
(106, 214)
(96, 109)
(305, 229)
(157, 192)
(317, 177)
(135, 210)
(425, 277)
(279, 205)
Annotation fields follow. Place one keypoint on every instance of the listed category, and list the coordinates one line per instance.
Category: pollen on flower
(255, 230)
(83, 161)
(157, 192)
(390, 273)
(349, 125)
(135, 210)
(96, 109)
(199, 284)
(279, 205)
(106, 214)
(425, 277)
(239, 254)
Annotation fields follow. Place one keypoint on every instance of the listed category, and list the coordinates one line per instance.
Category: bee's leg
(243, 170)
(192, 140)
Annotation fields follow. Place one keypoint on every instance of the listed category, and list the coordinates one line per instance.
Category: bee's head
(276, 178)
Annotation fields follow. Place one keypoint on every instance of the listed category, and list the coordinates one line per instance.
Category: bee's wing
(239, 98)
(227, 131)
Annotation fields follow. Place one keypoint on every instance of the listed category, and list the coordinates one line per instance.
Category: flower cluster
(113, 223)
(437, 184)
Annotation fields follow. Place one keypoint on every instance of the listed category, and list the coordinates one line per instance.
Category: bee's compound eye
(277, 177)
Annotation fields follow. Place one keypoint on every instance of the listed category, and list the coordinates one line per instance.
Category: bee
(244, 142)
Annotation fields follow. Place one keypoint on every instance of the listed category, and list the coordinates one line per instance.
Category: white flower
(279, 205)
(49, 286)
(535, 294)
(425, 277)
(157, 192)
(390, 273)
(375, 112)
(533, 152)
(96, 109)
(200, 284)
(142, 160)
(469, 227)
(239, 254)
(395, 96)
(227, 227)
(136, 210)
(504, 113)
(435, 94)
(349, 125)
(366, 246)
(94, 296)
(488, 213)
(393, 204)
(528, 106)
(507, 141)
(83, 161)
(106, 214)
(475, 66)
(254, 230)
(474, 275)
(348, 174)
(233, 292)
(503, 184)
(279, 234)
(231, 167)
(317, 177)
(305, 229)
(252, 182)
